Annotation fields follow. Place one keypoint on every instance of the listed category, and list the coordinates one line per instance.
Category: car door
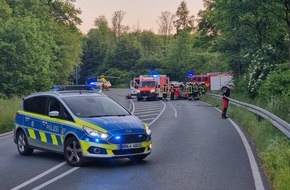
(35, 110)
(56, 125)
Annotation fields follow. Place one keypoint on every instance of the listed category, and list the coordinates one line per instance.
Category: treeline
(248, 38)
(39, 44)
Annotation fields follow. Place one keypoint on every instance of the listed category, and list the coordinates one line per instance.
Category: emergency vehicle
(213, 81)
(134, 84)
(150, 87)
(79, 124)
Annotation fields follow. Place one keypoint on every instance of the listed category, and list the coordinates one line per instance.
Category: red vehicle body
(213, 81)
(150, 87)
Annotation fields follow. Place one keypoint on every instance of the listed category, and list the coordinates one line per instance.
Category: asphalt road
(193, 148)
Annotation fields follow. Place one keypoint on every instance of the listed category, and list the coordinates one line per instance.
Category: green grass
(272, 146)
(8, 108)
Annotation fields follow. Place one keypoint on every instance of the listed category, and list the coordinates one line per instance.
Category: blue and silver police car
(80, 124)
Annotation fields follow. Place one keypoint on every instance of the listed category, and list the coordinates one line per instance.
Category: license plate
(131, 146)
(144, 97)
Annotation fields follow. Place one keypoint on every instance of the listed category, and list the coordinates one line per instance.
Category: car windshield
(94, 106)
(147, 84)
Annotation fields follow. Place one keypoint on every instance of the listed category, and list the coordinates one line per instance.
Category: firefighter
(195, 91)
(226, 92)
(190, 91)
(203, 88)
(164, 92)
(172, 92)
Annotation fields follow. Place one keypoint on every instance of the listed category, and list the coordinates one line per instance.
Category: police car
(80, 124)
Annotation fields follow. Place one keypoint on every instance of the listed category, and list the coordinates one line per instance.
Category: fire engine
(213, 81)
(150, 87)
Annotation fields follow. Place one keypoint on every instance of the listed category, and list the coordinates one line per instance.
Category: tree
(117, 19)
(183, 21)
(165, 24)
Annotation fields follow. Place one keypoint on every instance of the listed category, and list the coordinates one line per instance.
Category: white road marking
(254, 166)
(39, 176)
(158, 115)
(175, 112)
(55, 178)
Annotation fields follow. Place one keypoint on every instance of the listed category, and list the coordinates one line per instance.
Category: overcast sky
(144, 13)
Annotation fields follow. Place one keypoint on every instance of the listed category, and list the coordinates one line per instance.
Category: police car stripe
(49, 138)
(42, 136)
(45, 137)
(59, 140)
(37, 135)
(54, 141)
(31, 133)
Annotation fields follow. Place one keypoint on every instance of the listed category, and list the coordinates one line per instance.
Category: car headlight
(95, 133)
(148, 131)
(152, 91)
(138, 91)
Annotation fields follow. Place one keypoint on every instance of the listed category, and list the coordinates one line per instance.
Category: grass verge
(8, 108)
(272, 146)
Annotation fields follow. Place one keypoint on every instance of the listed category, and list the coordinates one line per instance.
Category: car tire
(138, 158)
(73, 152)
(22, 144)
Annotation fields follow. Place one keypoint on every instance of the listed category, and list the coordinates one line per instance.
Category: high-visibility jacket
(190, 89)
(165, 89)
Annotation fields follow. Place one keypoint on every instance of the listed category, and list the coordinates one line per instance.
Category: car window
(35, 104)
(55, 105)
(94, 106)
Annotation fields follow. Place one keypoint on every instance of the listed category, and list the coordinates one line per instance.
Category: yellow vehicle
(106, 83)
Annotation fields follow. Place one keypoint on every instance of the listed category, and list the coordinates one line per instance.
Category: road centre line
(175, 112)
(38, 176)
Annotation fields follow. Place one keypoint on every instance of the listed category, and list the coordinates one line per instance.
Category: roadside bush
(8, 108)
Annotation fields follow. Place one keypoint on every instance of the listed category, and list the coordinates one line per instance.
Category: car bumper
(98, 150)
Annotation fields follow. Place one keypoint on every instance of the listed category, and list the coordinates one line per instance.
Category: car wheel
(139, 99)
(73, 152)
(22, 144)
(138, 158)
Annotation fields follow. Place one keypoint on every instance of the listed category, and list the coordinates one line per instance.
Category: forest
(41, 45)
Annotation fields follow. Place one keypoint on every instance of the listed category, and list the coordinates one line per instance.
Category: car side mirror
(53, 114)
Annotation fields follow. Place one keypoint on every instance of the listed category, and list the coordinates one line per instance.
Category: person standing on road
(226, 92)
(164, 92)
(172, 92)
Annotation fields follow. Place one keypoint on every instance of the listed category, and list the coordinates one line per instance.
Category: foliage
(37, 48)
(183, 20)
(8, 108)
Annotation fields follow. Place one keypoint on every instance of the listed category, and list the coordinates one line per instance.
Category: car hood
(118, 124)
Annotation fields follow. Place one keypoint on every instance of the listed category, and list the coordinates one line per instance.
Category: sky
(142, 13)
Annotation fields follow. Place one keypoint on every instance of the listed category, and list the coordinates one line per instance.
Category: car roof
(67, 93)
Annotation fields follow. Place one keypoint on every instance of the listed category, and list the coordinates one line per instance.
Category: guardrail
(282, 125)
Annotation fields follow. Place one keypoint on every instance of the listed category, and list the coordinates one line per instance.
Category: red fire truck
(213, 81)
(150, 87)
